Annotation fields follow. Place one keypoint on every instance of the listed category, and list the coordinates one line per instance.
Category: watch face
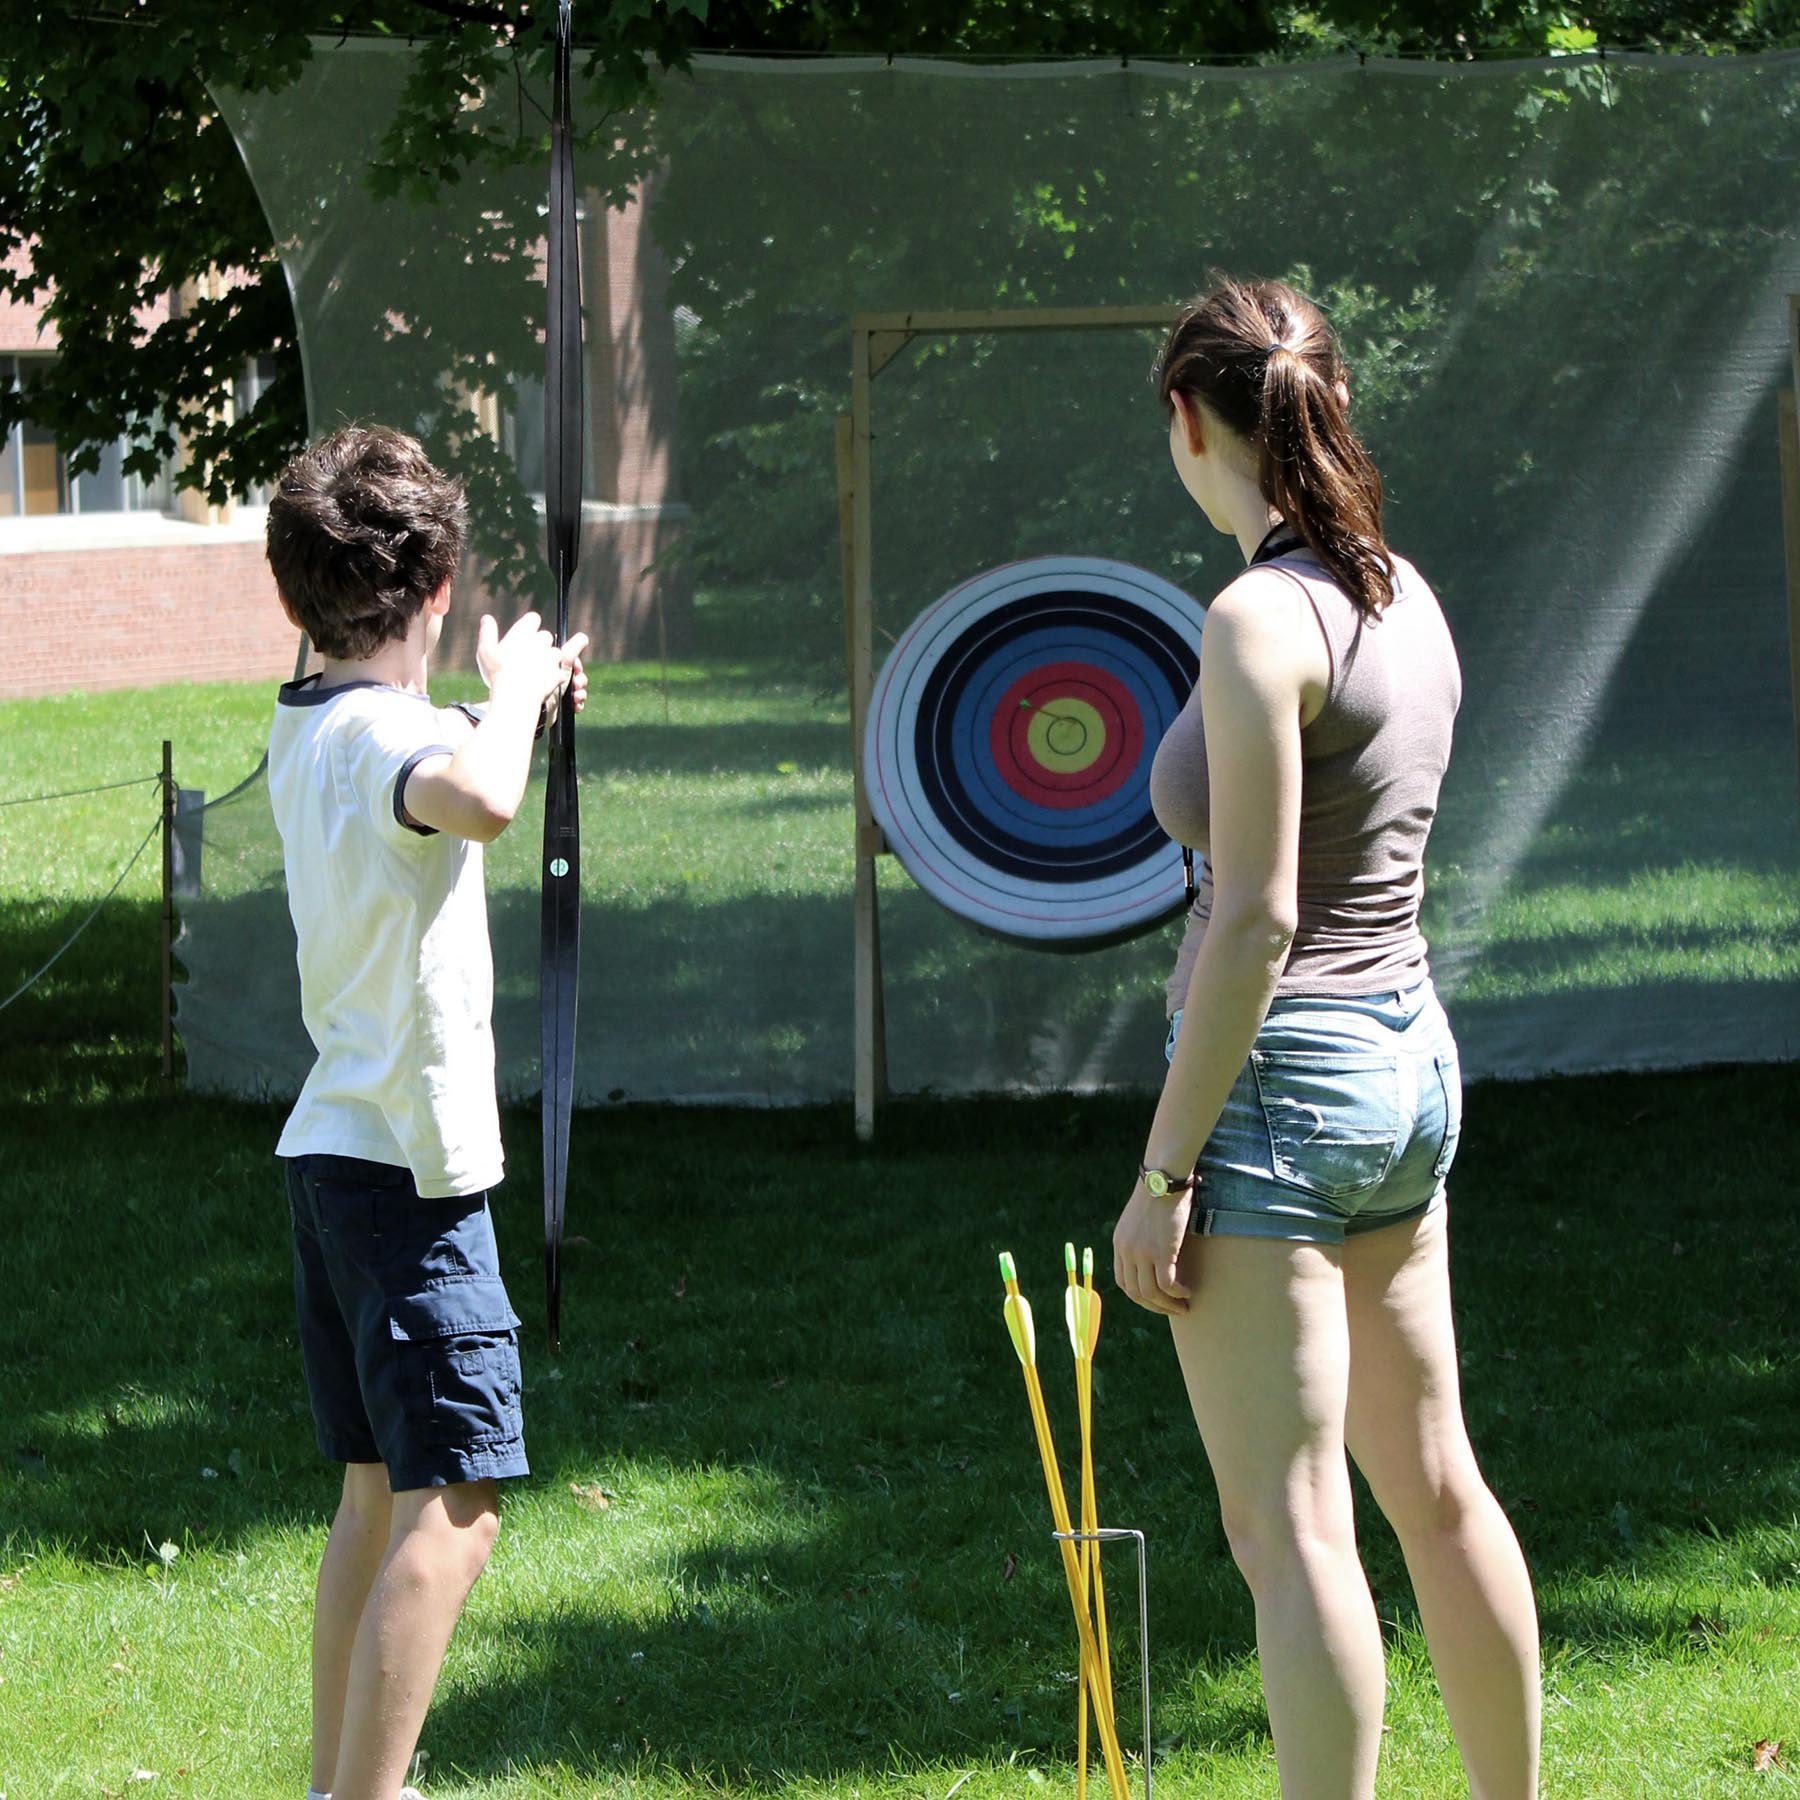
(1157, 1183)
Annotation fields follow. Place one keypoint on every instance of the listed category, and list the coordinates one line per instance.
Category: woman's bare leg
(1405, 1428)
(1264, 1349)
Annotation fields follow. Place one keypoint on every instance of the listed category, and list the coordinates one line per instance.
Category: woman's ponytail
(1262, 358)
(1313, 468)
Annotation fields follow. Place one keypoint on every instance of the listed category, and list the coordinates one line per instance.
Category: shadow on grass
(798, 1373)
(747, 749)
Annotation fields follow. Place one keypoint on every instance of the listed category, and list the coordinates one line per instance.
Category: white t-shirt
(396, 974)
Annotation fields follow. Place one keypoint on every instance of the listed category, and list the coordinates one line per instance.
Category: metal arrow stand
(1112, 1535)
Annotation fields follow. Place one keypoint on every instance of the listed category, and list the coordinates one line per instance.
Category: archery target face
(1009, 742)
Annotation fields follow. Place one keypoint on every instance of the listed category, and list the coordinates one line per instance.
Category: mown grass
(793, 1391)
(822, 1566)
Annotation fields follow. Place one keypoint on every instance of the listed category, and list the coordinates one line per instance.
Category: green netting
(1562, 289)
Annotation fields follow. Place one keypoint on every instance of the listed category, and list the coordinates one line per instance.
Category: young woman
(1289, 1211)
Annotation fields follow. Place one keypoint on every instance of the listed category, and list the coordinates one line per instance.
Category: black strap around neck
(1281, 539)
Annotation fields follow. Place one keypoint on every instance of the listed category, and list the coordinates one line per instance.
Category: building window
(34, 474)
(251, 385)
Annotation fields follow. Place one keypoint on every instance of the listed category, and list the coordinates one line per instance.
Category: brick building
(108, 580)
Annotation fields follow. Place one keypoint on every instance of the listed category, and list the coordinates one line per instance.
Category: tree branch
(466, 13)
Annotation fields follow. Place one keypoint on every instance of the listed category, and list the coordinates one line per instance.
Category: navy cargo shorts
(410, 1344)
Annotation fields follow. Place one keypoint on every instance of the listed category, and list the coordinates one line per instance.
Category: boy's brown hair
(363, 530)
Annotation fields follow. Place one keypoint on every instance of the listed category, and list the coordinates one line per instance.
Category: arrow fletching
(1021, 1330)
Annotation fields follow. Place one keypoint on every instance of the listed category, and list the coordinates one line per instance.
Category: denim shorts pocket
(1333, 1119)
(1449, 1075)
(458, 1362)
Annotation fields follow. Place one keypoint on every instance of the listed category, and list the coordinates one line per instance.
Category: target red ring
(1098, 691)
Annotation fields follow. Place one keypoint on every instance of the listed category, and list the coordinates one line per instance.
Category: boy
(383, 802)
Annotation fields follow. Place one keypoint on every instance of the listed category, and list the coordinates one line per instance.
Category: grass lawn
(786, 1534)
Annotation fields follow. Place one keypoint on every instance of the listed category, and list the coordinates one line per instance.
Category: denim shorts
(1345, 1118)
(410, 1345)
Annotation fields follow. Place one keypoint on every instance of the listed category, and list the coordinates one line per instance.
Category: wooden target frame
(876, 338)
(1788, 428)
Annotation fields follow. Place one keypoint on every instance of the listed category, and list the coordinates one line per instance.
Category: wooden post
(1790, 525)
(846, 486)
(168, 910)
(191, 504)
(1793, 323)
(1788, 431)
(870, 1034)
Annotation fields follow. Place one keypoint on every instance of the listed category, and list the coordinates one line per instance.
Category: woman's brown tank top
(1372, 764)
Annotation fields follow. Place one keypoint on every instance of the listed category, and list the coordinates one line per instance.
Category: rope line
(106, 787)
(31, 981)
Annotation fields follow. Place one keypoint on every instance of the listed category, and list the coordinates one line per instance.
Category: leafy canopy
(120, 182)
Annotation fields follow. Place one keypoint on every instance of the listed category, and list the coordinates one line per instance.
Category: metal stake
(1109, 1535)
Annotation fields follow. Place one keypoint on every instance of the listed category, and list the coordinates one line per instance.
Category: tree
(120, 182)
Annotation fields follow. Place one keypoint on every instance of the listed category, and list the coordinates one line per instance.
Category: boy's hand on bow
(529, 660)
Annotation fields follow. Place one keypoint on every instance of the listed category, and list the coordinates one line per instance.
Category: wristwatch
(1159, 1184)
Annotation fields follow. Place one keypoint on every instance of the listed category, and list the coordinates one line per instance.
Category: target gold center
(1066, 736)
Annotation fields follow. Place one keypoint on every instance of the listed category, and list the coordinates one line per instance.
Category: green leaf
(1570, 40)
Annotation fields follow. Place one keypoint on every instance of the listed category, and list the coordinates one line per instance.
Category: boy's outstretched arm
(475, 792)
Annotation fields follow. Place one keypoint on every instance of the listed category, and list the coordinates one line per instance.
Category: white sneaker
(314, 1794)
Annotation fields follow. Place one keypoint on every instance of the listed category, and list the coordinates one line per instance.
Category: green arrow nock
(1007, 1272)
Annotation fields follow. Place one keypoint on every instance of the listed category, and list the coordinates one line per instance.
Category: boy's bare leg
(438, 1545)
(353, 1553)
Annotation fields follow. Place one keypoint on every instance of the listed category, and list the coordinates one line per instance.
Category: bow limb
(563, 435)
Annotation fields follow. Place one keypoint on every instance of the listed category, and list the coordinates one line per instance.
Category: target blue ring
(1067, 828)
(1123, 829)
(973, 812)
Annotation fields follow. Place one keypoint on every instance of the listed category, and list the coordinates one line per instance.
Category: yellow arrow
(1081, 1307)
(1024, 1340)
(1090, 1507)
(1072, 1316)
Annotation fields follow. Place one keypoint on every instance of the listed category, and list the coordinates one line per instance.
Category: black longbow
(561, 955)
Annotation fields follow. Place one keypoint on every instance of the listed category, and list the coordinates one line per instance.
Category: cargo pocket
(1333, 1119)
(459, 1362)
(1449, 1074)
